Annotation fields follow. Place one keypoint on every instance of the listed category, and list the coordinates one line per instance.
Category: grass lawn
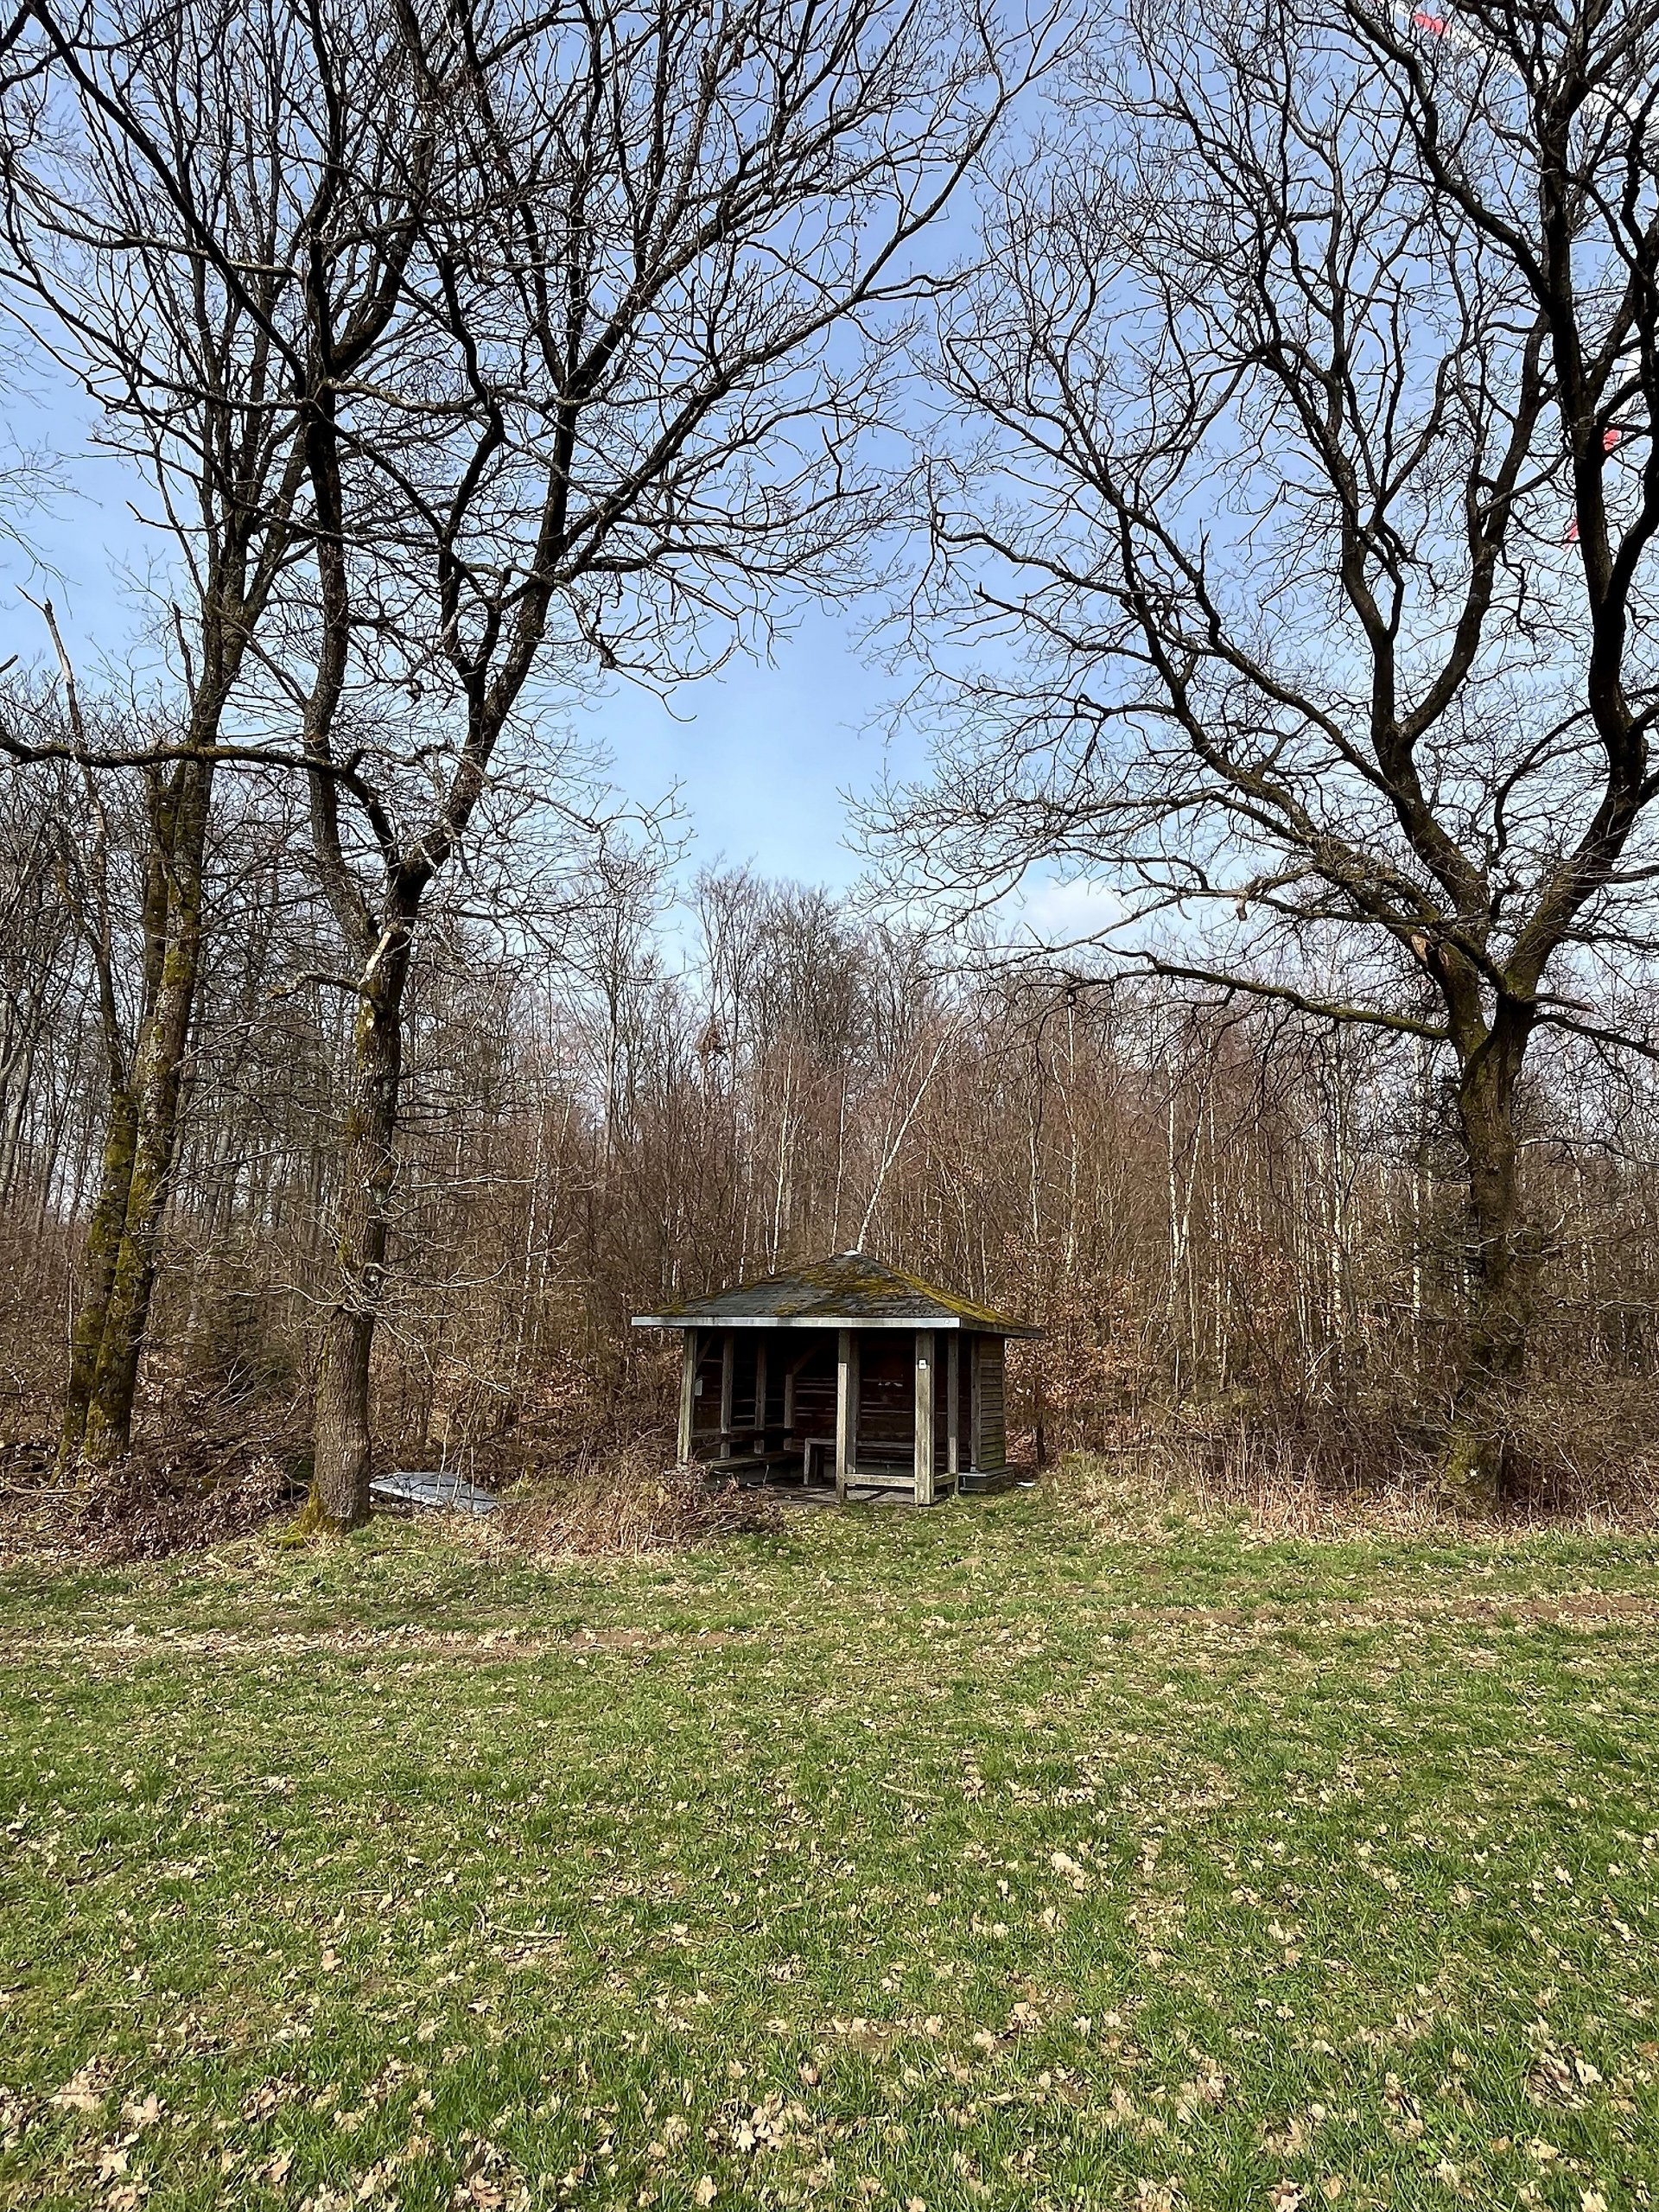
(972, 1858)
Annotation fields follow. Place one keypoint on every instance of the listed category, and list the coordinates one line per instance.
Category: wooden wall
(810, 1352)
(990, 1446)
(886, 1399)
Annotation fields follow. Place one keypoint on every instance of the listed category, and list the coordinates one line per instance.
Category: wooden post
(760, 1391)
(846, 1410)
(973, 1401)
(922, 1425)
(953, 1406)
(688, 1392)
(728, 1375)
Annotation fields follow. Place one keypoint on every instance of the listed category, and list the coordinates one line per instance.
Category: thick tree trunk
(361, 1230)
(98, 1256)
(124, 1282)
(1502, 1265)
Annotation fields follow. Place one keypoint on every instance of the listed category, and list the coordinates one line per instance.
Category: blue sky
(760, 752)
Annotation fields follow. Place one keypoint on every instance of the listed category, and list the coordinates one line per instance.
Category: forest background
(408, 1220)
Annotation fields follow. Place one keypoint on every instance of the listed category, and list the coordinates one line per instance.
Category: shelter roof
(849, 1290)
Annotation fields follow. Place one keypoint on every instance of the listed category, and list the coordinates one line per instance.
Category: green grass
(983, 1860)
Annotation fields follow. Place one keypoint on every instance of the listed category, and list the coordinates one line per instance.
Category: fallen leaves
(82, 2092)
(749, 1914)
(488, 2181)
(1561, 2078)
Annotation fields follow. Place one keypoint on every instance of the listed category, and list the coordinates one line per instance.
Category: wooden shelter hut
(846, 1369)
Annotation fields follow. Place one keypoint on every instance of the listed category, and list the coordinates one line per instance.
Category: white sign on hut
(846, 1368)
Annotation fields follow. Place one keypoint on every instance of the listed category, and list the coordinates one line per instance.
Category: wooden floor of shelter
(790, 1491)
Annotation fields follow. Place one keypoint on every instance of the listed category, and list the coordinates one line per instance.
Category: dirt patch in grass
(1587, 1610)
(482, 1650)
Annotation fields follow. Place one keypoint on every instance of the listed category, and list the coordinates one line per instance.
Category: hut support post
(953, 1406)
(846, 1409)
(728, 1379)
(973, 1402)
(923, 1423)
(760, 1393)
(687, 1392)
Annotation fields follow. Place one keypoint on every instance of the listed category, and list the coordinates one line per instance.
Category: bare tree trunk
(362, 1230)
(1418, 1154)
(99, 1255)
(20, 1079)
(158, 1069)
(1503, 1257)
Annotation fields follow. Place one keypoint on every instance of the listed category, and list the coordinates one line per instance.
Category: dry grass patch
(1330, 1474)
(625, 1501)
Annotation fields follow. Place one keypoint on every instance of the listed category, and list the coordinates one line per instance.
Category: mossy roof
(848, 1290)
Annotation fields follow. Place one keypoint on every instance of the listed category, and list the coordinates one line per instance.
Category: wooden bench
(750, 1463)
(810, 1461)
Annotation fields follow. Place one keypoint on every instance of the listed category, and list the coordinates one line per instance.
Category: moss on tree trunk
(122, 1244)
(99, 1256)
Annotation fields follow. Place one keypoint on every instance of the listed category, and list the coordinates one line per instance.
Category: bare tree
(1315, 353)
(174, 179)
(655, 300)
